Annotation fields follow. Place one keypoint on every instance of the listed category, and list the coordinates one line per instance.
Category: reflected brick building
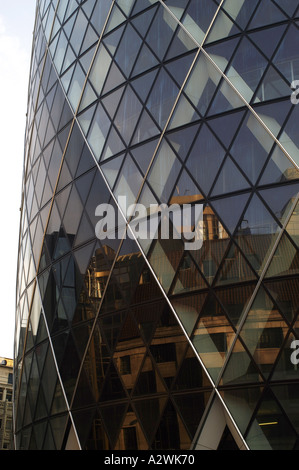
(131, 343)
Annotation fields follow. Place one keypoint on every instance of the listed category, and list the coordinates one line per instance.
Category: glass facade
(126, 343)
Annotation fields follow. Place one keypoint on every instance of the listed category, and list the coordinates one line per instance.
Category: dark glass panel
(99, 15)
(271, 429)
(91, 433)
(240, 368)
(285, 293)
(188, 309)
(229, 180)
(205, 158)
(128, 113)
(162, 98)
(267, 13)
(191, 408)
(161, 32)
(168, 434)
(234, 268)
(264, 331)
(287, 395)
(191, 375)
(257, 233)
(235, 300)
(286, 58)
(268, 39)
(129, 352)
(242, 403)
(131, 436)
(128, 49)
(213, 336)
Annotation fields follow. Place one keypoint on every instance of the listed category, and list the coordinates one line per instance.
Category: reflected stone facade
(127, 343)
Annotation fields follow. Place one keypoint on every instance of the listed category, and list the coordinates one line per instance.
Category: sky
(16, 28)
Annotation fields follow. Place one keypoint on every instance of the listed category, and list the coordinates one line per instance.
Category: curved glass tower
(125, 341)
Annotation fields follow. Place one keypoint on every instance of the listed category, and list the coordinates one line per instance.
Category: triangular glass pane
(287, 398)
(240, 368)
(230, 210)
(246, 69)
(116, 18)
(212, 343)
(186, 191)
(244, 398)
(143, 21)
(179, 68)
(289, 6)
(285, 293)
(281, 199)
(273, 86)
(98, 131)
(129, 181)
(182, 140)
(146, 129)
(86, 421)
(127, 50)
(148, 381)
(240, 12)
(197, 18)
(292, 227)
(269, 423)
(164, 259)
(223, 27)
(145, 61)
(268, 39)
(205, 159)
(265, 337)
(111, 169)
(131, 436)
(129, 353)
(191, 375)
(143, 84)
(181, 44)
(149, 412)
(111, 327)
(112, 420)
(184, 113)
(161, 32)
(251, 147)
(147, 316)
(143, 154)
(286, 367)
(235, 300)
(234, 268)
(229, 180)
(162, 98)
(188, 277)
(227, 99)
(188, 309)
(191, 408)
(257, 233)
(279, 168)
(99, 15)
(164, 172)
(114, 145)
(73, 213)
(285, 259)
(267, 13)
(273, 116)
(128, 114)
(168, 433)
(112, 101)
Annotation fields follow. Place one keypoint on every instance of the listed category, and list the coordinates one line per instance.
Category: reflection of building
(131, 343)
(6, 404)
